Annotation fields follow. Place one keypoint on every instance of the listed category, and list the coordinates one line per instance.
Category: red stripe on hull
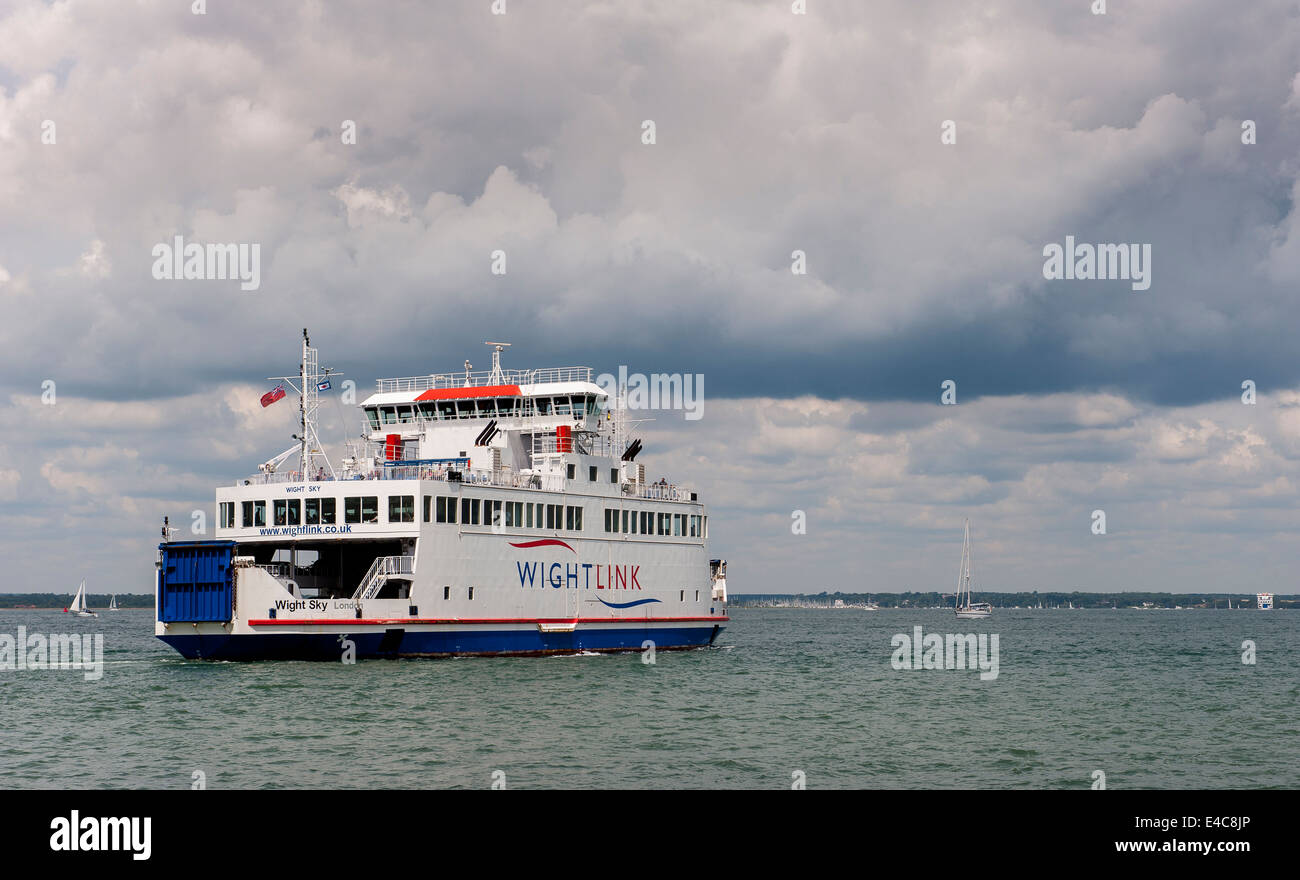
(362, 621)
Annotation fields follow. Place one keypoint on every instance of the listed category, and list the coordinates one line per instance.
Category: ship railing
(503, 477)
(383, 568)
(584, 443)
(657, 491)
(279, 570)
(484, 377)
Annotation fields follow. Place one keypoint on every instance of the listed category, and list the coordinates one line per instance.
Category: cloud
(776, 133)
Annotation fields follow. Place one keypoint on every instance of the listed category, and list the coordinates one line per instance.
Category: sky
(921, 156)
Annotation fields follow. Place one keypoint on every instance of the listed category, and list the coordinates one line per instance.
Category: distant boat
(112, 602)
(966, 610)
(870, 606)
(78, 606)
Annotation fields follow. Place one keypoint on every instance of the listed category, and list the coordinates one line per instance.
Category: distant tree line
(62, 600)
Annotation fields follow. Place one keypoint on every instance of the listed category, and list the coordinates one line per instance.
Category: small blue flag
(323, 386)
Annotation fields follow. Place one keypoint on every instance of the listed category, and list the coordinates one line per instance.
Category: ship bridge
(512, 419)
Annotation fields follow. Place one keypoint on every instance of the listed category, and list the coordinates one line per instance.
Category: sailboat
(965, 609)
(112, 602)
(78, 606)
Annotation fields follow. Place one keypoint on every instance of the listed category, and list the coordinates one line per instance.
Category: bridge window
(446, 409)
(401, 508)
(561, 406)
(404, 414)
(543, 405)
(372, 413)
(390, 414)
(226, 514)
(492, 513)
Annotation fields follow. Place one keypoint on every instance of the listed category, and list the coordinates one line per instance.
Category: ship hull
(398, 641)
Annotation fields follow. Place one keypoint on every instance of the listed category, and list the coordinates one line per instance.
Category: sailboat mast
(970, 561)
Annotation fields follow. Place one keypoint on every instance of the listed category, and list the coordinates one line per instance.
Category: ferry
(480, 513)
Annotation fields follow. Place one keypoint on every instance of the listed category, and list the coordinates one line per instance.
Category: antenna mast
(310, 380)
(497, 377)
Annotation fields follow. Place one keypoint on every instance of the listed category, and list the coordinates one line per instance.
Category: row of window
(316, 511)
(446, 594)
(467, 511)
(651, 522)
(511, 514)
(481, 408)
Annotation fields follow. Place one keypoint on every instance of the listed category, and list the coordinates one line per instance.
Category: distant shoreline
(1011, 601)
(59, 601)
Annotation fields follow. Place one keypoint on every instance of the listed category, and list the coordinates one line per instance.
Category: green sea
(1151, 699)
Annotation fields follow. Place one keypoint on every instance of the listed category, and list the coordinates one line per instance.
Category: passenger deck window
(446, 509)
(254, 513)
(401, 508)
(318, 511)
(361, 509)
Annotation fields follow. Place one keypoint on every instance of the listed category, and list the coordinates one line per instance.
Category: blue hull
(398, 642)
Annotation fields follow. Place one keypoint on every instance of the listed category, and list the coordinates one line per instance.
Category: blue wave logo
(626, 604)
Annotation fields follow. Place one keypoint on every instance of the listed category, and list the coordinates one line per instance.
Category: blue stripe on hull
(414, 643)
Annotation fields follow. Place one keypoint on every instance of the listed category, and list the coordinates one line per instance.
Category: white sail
(965, 609)
(112, 602)
(79, 600)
